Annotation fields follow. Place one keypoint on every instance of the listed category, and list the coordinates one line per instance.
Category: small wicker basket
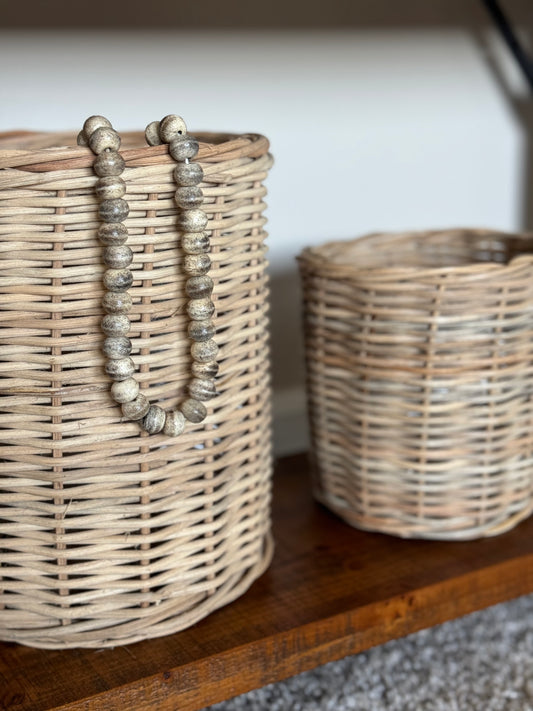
(419, 353)
(108, 535)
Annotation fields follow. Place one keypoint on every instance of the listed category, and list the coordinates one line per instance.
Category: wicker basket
(109, 535)
(420, 381)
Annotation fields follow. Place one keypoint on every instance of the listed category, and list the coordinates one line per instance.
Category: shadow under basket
(109, 535)
(419, 351)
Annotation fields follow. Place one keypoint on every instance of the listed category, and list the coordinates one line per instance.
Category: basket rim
(318, 259)
(213, 147)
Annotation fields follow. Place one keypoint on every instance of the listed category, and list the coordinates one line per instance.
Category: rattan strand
(419, 352)
(108, 536)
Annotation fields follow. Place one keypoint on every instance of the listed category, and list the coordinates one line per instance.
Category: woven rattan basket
(420, 380)
(109, 535)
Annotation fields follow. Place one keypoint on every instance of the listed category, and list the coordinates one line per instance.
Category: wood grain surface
(331, 591)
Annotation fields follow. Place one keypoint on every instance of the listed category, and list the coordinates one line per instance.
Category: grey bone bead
(125, 390)
(170, 127)
(94, 122)
(103, 139)
(196, 264)
(154, 420)
(195, 243)
(183, 147)
(197, 287)
(115, 324)
(200, 309)
(204, 370)
(109, 163)
(110, 187)
(174, 423)
(151, 133)
(186, 174)
(118, 279)
(117, 347)
(114, 210)
(120, 368)
(202, 389)
(117, 302)
(118, 256)
(136, 409)
(187, 198)
(112, 233)
(193, 410)
(194, 220)
(204, 351)
(201, 330)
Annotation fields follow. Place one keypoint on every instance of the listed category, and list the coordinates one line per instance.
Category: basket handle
(104, 141)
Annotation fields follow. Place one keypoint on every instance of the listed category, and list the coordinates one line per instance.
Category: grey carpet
(482, 662)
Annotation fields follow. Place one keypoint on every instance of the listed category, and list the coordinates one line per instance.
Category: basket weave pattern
(420, 381)
(108, 535)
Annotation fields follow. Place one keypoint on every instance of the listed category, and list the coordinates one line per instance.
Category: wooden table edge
(238, 670)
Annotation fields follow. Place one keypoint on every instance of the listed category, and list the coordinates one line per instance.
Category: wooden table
(331, 591)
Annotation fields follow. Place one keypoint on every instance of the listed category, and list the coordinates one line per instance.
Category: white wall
(370, 131)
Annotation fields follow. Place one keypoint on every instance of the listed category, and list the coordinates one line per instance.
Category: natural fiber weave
(108, 535)
(420, 381)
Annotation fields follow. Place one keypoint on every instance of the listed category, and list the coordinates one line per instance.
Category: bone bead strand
(196, 263)
(110, 190)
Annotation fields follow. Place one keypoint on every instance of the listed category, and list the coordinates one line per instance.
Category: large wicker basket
(108, 535)
(420, 381)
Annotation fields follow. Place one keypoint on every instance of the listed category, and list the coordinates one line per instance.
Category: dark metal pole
(501, 21)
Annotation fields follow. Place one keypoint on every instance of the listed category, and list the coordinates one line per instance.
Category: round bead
(193, 410)
(183, 147)
(196, 264)
(151, 133)
(94, 122)
(192, 220)
(154, 420)
(117, 302)
(171, 126)
(118, 256)
(204, 370)
(204, 351)
(81, 140)
(111, 233)
(200, 309)
(109, 163)
(110, 187)
(115, 324)
(117, 347)
(197, 287)
(103, 139)
(174, 423)
(202, 389)
(201, 330)
(186, 174)
(125, 390)
(187, 198)
(120, 368)
(136, 409)
(195, 243)
(114, 210)
(118, 279)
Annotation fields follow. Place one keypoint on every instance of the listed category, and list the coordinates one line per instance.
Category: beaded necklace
(109, 165)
